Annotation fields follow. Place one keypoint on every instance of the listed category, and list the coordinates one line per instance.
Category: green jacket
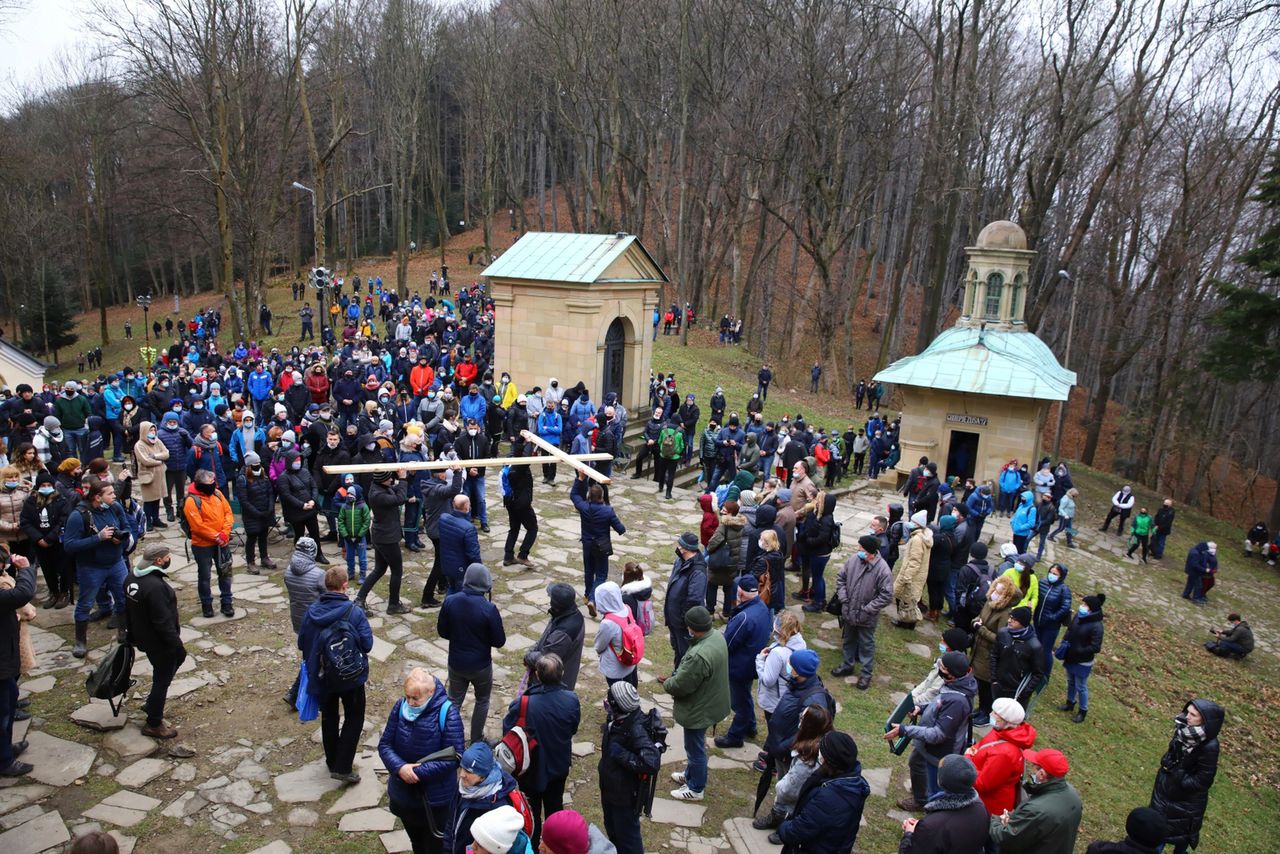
(676, 434)
(1142, 524)
(354, 520)
(1046, 822)
(700, 684)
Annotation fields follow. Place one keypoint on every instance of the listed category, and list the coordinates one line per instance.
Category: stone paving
(266, 781)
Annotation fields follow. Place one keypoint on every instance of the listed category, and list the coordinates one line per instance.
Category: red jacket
(466, 373)
(710, 521)
(998, 758)
(421, 378)
(318, 385)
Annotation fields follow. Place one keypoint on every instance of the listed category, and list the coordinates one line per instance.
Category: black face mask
(206, 488)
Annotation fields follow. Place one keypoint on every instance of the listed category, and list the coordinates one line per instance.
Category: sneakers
(684, 793)
(17, 769)
(678, 778)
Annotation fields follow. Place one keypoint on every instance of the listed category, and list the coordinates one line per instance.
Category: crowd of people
(214, 434)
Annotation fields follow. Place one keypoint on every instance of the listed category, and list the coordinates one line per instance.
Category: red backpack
(632, 639)
(521, 805)
(515, 752)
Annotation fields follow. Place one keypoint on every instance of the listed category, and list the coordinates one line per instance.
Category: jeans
(117, 439)
(931, 778)
(1048, 635)
(8, 707)
(340, 744)
(482, 680)
(385, 556)
(762, 389)
(873, 470)
(356, 549)
(412, 518)
(817, 584)
(473, 487)
(77, 440)
(595, 570)
(695, 748)
(163, 668)
(204, 557)
(1157, 543)
(1194, 588)
(1044, 535)
(1230, 647)
(518, 518)
(742, 701)
(1078, 683)
(93, 578)
(622, 826)
(859, 646)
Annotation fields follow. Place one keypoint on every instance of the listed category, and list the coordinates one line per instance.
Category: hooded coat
(827, 814)
(709, 519)
(913, 573)
(1024, 518)
(465, 811)
(998, 758)
(608, 640)
(564, 636)
(1181, 791)
(746, 634)
(471, 623)
(151, 458)
(324, 612)
(304, 580)
(952, 824)
(994, 617)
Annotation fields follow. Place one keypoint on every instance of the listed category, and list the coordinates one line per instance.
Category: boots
(253, 568)
(769, 820)
(64, 599)
(1079, 716)
(168, 510)
(82, 639)
(1067, 706)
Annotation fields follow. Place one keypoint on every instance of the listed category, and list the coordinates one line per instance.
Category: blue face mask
(410, 713)
(1053, 578)
(862, 555)
(1083, 610)
(942, 648)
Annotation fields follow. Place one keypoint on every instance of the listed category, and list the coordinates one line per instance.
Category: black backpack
(834, 539)
(342, 661)
(970, 598)
(113, 677)
(657, 732)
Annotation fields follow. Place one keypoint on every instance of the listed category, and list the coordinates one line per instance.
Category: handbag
(307, 704)
(834, 607)
(721, 558)
(223, 558)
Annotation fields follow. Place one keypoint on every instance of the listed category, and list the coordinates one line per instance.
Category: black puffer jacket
(257, 498)
(626, 753)
(1014, 659)
(295, 489)
(1181, 791)
(1084, 638)
(814, 538)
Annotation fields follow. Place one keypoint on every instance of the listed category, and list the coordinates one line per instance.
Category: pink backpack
(632, 639)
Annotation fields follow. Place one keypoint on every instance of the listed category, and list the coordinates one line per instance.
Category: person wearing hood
(51, 444)
(955, 819)
(864, 588)
(1146, 831)
(1002, 597)
(179, 444)
(1080, 645)
(596, 519)
(1052, 612)
(422, 722)
(150, 456)
(998, 755)
(829, 808)
(940, 567)
(300, 500)
(944, 724)
(1121, 506)
(724, 552)
(549, 428)
(151, 614)
(304, 581)
(700, 687)
(565, 632)
(1202, 562)
(1021, 572)
(473, 627)
(608, 640)
(354, 522)
(910, 580)
(686, 589)
(1017, 659)
(628, 757)
(339, 744)
(1047, 819)
(746, 634)
(257, 496)
(551, 710)
(1023, 523)
(482, 787)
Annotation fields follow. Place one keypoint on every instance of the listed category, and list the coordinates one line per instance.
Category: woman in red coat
(318, 384)
(998, 756)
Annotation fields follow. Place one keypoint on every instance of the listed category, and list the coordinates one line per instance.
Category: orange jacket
(211, 518)
(421, 378)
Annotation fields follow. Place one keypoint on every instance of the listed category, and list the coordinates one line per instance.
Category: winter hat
(565, 832)
(784, 495)
(170, 418)
(1095, 602)
(1006, 550)
(698, 619)
(947, 522)
(252, 459)
(1010, 710)
(839, 750)
(689, 542)
(384, 477)
(307, 546)
(289, 436)
(870, 544)
(957, 774)
(1147, 827)
(1022, 614)
(42, 478)
(477, 577)
(978, 551)
(478, 759)
(562, 597)
(623, 696)
(496, 830)
(956, 663)
(748, 584)
(956, 639)
(52, 423)
(804, 662)
(920, 518)
(155, 552)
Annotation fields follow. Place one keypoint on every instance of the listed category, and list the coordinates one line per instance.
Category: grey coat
(305, 582)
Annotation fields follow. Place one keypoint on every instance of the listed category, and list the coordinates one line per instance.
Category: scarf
(1020, 633)
(484, 790)
(206, 444)
(1187, 736)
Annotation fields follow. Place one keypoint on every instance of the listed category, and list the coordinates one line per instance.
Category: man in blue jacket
(686, 589)
(473, 627)
(747, 633)
(553, 714)
(113, 398)
(459, 544)
(1024, 521)
(333, 606)
(1201, 560)
(260, 384)
(95, 535)
(944, 723)
(550, 427)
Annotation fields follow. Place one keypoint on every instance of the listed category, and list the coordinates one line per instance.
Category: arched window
(995, 288)
(1015, 304)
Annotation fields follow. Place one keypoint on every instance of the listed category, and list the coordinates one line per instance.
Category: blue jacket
(581, 411)
(582, 441)
(473, 627)
(595, 519)
(459, 546)
(1199, 561)
(826, 817)
(403, 743)
(178, 442)
(473, 406)
(1010, 480)
(1024, 518)
(135, 387)
(113, 398)
(237, 443)
(550, 424)
(944, 724)
(1053, 607)
(260, 384)
(748, 632)
(554, 715)
(979, 505)
(324, 612)
(785, 722)
(89, 551)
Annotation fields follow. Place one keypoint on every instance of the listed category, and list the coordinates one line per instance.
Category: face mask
(410, 712)
(205, 488)
(10, 484)
(128, 407)
(1053, 578)
(199, 406)
(471, 431)
(1083, 610)
(372, 446)
(296, 465)
(942, 648)
(46, 490)
(862, 555)
(1019, 567)
(992, 595)
(257, 470)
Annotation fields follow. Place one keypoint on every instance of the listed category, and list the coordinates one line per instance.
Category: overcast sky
(32, 39)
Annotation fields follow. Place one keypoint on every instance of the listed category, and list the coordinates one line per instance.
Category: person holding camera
(209, 519)
(95, 535)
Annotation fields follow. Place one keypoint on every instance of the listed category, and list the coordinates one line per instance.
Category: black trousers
(517, 519)
(258, 540)
(341, 740)
(549, 800)
(435, 579)
(646, 451)
(385, 556)
(163, 668)
(58, 567)
(419, 831)
(309, 527)
(666, 474)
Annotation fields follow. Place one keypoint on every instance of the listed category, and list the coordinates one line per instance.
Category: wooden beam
(574, 460)
(437, 465)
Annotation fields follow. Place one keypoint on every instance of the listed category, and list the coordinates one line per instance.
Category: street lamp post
(315, 232)
(144, 301)
(1066, 361)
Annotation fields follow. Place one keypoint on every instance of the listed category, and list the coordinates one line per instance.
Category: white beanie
(1008, 550)
(1009, 710)
(496, 830)
(920, 518)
